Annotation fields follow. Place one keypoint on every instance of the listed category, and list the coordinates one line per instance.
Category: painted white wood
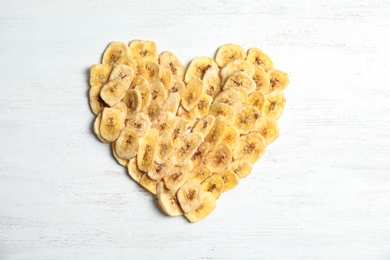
(321, 191)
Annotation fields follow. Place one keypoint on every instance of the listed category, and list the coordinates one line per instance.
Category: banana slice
(230, 137)
(99, 75)
(258, 57)
(146, 149)
(154, 112)
(241, 167)
(146, 95)
(153, 72)
(186, 147)
(243, 96)
(180, 129)
(133, 171)
(121, 107)
(200, 154)
(157, 171)
(113, 91)
(114, 51)
(96, 128)
(214, 185)
(176, 86)
(121, 161)
(133, 101)
(198, 67)
(171, 104)
(177, 176)
(219, 158)
(230, 179)
(229, 52)
(256, 99)
(189, 116)
(126, 146)
(192, 93)
(204, 125)
(227, 112)
(278, 79)
(200, 173)
(124, 73)
(205, 209)
(268, 128)
(190, 196)
(230, 97)
(139, 81)
(203, 105)
(250, 147)
(168, 61)
(167, 123)
(140, 122)
(164, 149)
(216, 133)
(112, 123)
(241, 80)
(158, 93)
(144, 50)
(274, 104)
(237, 66)
(95, 101)
(166, 78)
(212, 83)
(261, 79)
(148, 183)
(246, 119)
(127, 60)
(167, 199)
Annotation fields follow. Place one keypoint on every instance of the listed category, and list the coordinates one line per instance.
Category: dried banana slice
(166, 78)
(219, 158)
(176, 86)
(230, 136)
(146, 95)
(212, 83)
(216, 133)
(278, 79)
(274, 104)
(154, 112)
(200, 173)
(190, 196)
(164, 149)
(114, 51)
(112, 123)
(140, 122)
(180, 129)
(167, 199)
(189, 116)
(121, 161)
(256, 99)
(172, 103)
(177, 176)
(133, 171)
(139, 81)
(99, 75)
(258, 57)
(157, 171)
(246, 119)
(144, 50)
(126, 146)
(186, 147)
(166, 123)
(230, 179)
(168, 61)
(229, 52)
(200, 154)
(147, 148)
(96, 128)
(148, 183)
(227, 112)
(157, 92)
(204, 125)
(241, 167)
(250, 147)
(198, 68)
(206, 208)
(192, 93)
(240, 80)
(95, 101)
(203, 105)
(261, 79)
(237, 66)
(113, 91)
(230, 97)
(153, 72)
(268, 128)
(124, 73)
(133, 101)
(214, 185)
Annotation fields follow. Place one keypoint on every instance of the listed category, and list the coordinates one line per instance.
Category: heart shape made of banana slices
(187, 135)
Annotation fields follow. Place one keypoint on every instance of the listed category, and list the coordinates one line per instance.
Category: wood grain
(321, 191)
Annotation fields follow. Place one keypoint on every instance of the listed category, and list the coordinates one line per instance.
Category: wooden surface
(321, 191)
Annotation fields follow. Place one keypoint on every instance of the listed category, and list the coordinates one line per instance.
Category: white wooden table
(321, 191)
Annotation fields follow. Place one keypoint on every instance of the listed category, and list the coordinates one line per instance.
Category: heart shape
(186, 135)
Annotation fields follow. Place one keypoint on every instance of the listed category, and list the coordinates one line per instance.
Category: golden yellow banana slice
(261, 79)
(190, 196)
(126, 146)
(112, 123)
(256, 99)
(216, 133)
(176, 86)
(274, 104)
(200, 173)
(206, 208)
(113, 91)
(229, 52)
(230, 179)
(177, 176)
(166, 123)
(172, 103)
(114, 51)
(153, 72)
(204, 125)
(133, 171)
(154, 112)
(230, 97)
(96, 128)
(251, 147)
(146, 95)
(140, 122)
(147, 148)
(237, 66)
(148, 183)
(240, 80)
(278, 79)
(203, 105)
(139, 81)
(167, 199)
(164, 149)
(219, 158)
(186, 147)
(258, 57)
(166, 78)
(246, 119)
(99, 74)
(121, 161)
(168, 61)
(268, 128)
(144, 50)
(230, 136)
(198, 68)
(241, 167)
(200, 154)
(212, 83)
(157, 171)
(224, 110)
(192, 93)
(133, 101)
(95, 101)
(214, 184)
(180, 129)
